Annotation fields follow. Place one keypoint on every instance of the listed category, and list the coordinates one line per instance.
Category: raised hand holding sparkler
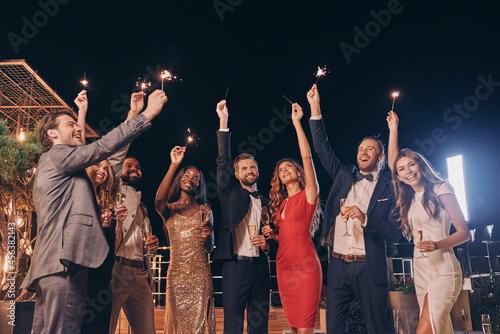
(321, 72)
(223, 114)
(394, 95)
(84, 82)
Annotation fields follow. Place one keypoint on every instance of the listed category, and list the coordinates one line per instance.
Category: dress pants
(245, 285)
(60, 301)
(348, 281)
(131, 291)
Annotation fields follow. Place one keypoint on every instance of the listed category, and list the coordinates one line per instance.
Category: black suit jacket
(234, 199)
(381, 223)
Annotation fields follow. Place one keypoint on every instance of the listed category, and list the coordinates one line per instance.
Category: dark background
(433, 53)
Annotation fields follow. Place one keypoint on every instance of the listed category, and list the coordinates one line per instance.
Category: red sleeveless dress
(297, 263)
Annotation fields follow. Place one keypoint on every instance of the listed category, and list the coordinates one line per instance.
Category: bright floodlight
(456, 178)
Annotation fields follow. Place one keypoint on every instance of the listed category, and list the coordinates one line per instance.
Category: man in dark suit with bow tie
(357, 231)
(245, 282)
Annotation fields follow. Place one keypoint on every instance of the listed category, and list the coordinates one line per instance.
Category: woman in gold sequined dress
(189, 302)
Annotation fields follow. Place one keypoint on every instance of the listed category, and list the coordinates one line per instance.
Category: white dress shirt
(131, 246)
(241, 237)
(359, 195)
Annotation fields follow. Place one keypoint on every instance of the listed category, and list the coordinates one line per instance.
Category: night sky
(443, 58)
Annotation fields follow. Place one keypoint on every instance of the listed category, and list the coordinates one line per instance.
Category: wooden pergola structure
(25, 97)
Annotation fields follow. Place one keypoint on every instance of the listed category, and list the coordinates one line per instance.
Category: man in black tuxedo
(245, 282)
(358, 268)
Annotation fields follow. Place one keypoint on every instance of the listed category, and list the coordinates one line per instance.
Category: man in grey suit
(69, 235)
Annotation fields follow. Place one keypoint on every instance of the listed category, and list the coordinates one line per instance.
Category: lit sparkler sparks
(143, 85)
(190, 137)
(321, 72)
(394, 95)
(166, 75)
(84, 82)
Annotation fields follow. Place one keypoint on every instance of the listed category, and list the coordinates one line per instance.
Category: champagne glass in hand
(121, 193)
(252, 232)
(205, 217)
(146, 234)
(264, 217)
(416, 230)
(485, 322)
(343, 208)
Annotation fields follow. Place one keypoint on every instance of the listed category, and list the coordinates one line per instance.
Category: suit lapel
(382, 183)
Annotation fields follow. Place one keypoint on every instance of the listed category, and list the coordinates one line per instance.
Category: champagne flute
(252, 232)
(465, 318)
(485, 321)
(264, 217)
(416, 230)
(343, 208)
(146, 234)
(205, 215)
(121, 193)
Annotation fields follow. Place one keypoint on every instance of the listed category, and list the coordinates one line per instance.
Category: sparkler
(190, 137)
(84, 82)
(286, 98)
(143, 85)
(164, 74)
(227, 91)
(394, 95)
(321, 72)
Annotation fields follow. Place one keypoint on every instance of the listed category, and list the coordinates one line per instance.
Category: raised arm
(72, 159)
(161, 205)
(321, 144)
(224, 161)
(116, 160)
(312, 187)
(83, 104)
(393, 149)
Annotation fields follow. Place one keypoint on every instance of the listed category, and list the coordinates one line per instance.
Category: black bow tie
(254, 193)
(359, 176)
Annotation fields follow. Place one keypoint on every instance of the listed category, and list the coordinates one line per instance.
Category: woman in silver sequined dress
(189, 302)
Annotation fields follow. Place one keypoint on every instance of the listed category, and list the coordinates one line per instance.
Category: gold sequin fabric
(189, 302)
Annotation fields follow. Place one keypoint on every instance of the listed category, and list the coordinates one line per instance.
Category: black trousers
(348, 281)
(245, 285)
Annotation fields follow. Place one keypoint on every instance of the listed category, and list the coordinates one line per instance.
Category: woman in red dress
(294, 200)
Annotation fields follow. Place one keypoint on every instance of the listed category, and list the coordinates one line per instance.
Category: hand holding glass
(146, 234)
(205, 217)
(416, 230)
(264, 217)
(252, 232)
(345, 218)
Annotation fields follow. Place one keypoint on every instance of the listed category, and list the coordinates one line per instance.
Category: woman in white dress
(427, 206)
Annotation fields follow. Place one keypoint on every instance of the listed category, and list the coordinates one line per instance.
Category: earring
(298, 178)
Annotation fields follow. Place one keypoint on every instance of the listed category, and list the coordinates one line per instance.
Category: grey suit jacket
(69, 228)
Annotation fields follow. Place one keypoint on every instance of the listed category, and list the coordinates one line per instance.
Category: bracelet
(435, 245)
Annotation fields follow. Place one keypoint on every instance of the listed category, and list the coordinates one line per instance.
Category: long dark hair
(405, 193)
(200, 193)
(279, 193)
